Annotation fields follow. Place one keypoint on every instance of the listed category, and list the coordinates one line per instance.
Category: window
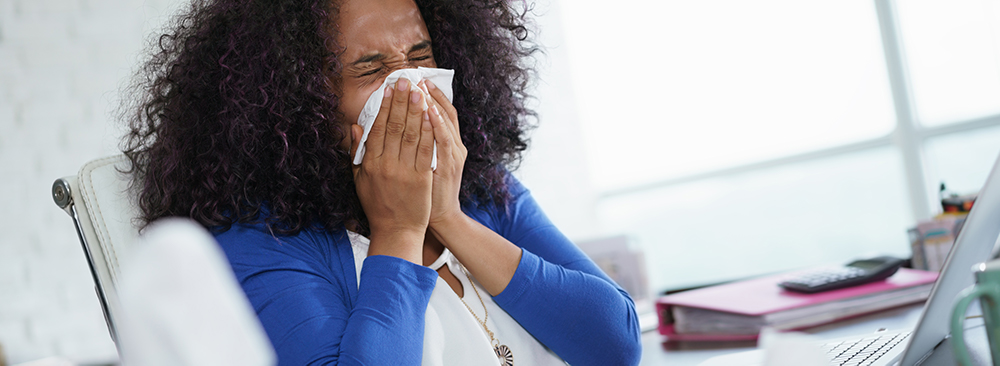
(733, 138)
(954, 58)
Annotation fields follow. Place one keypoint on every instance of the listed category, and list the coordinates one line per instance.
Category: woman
(247, 126)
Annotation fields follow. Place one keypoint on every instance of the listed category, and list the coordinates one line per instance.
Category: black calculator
(858, 272)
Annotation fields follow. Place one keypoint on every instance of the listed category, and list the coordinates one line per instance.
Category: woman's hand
(490, 258)
(394, 180)
(451, 155)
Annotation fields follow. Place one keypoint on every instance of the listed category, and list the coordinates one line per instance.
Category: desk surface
(656, 352)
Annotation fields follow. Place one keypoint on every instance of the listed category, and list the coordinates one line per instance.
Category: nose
(405, 65)
(398, 64)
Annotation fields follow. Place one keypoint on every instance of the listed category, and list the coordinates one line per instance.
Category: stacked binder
(738, 310)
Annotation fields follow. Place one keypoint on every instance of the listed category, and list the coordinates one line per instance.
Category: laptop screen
(975, 244)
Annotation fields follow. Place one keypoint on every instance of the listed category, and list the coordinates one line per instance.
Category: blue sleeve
(302, 289)
(560, 296)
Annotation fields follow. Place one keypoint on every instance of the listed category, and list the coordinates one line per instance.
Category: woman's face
(379, 37)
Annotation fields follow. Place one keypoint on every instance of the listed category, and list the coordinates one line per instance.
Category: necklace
(503, 353)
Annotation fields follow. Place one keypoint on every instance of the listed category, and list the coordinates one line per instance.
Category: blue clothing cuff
(392, 301)
(527, 269)
(399, 270)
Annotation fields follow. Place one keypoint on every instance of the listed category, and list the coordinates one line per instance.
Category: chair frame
(62, 194)
(82, 205)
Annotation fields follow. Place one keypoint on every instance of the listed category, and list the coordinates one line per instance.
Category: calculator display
(866, 264)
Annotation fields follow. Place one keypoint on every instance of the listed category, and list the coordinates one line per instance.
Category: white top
(452, 336)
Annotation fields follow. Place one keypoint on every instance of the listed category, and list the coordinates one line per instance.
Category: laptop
(976, 243)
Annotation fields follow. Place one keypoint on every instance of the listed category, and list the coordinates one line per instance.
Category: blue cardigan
(304, 290)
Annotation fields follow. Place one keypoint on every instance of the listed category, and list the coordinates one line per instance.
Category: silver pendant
(504, 355)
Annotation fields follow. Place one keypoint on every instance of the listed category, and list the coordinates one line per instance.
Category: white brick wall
(61, 63)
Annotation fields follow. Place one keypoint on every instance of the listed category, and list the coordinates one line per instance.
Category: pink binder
(761, 298)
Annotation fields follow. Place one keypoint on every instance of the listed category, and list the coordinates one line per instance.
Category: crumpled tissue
(440, 77)
(181, 304)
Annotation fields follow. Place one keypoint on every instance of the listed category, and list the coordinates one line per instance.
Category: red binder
(736, 311)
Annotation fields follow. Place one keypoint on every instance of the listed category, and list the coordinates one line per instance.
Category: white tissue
(441, 79)
(181, 304)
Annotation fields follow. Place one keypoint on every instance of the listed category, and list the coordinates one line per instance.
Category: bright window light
(962, 161)
(953, 57)
(672, 88)
(827, 211)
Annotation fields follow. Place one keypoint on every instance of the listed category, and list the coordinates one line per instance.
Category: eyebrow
(422, 45)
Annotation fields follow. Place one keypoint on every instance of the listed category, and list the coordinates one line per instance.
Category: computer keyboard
(865, 351)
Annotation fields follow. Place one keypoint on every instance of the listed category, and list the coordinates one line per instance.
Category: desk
(656, 352)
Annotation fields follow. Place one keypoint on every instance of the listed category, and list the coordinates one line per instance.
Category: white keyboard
(864, 351)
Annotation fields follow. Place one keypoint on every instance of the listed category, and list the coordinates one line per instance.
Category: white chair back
(99, 202)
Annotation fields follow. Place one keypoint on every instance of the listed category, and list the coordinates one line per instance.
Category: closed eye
(372, 72)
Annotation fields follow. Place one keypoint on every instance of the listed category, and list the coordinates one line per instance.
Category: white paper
(440, 77)
(181, 304)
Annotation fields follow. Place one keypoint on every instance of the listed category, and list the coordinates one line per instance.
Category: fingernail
(388, 92)
(430, 84)
(402, 84)
(435, 109)
(415, 97)
(427, 117)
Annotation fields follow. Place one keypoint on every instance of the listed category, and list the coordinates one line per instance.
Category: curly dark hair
(236, 111)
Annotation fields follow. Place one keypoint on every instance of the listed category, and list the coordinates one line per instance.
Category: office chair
(98, 201)
(208, 322)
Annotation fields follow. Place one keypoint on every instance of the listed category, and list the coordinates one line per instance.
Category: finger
(443, 135)
(376, 136)
(425, 151)
(452, 128)
(447, 107)
(356, 132)
(436, 107)
(411, 132)
(396, 123)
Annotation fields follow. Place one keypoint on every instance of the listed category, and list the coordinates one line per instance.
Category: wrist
(403, 243)
(396, 229)
(454, 222)
(448, 220)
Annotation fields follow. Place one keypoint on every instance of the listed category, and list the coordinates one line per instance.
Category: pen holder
(987, 290)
